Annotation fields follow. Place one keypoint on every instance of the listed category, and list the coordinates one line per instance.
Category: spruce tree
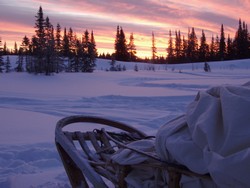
(94, 54)
(25, 45)
(239, 42)
(20, 62)
(229, 49)
(58, 49)
(204, 48)
(78, 63)
(40, 41)
(170, 50)
(217, 48)
(89, 53)
(121, 50)
(49, 47)
(117, 42)
(65, 44)
(192, 50)
(15, 49)
(222, 46)
(58, 42)
(26, 50)
(212, 55)
(72, 43)
(177, 49)
(33, 64)
(92, 50)
(132, 48)
(5, 50)
(124, 50)
(184, 49)
(154, 49)
(7, 65)
(1, 56)
(245, 45)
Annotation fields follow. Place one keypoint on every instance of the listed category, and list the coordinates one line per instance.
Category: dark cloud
(17, 15)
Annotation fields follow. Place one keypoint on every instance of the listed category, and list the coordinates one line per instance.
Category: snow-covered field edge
(30, 106)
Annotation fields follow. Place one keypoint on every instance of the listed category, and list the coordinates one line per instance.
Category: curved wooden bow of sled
(86, 155)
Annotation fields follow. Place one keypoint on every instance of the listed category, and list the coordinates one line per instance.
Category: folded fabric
(129, 157)
(213, 136)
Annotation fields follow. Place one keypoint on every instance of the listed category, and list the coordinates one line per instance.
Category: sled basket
(86, 155)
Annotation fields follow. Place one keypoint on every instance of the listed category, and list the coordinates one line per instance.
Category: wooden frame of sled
(86, 156)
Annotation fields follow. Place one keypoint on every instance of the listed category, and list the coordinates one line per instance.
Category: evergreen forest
(55, 49)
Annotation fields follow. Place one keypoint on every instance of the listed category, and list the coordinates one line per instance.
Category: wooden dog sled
(86, 155)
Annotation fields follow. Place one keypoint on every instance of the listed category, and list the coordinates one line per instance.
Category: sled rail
(86, 156)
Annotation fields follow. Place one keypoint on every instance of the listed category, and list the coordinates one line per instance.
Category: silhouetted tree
(132, 48)
(15, 52)
(72, 42)
(89, 53)
(217, 48)
(117, 38)
(178, 46)
(49, 47)
(121, 50)
(154, 49)
(78, 60)
(92, 52)
(20, 61)
(65, 44)
(229, 48)
(58, 50)
(204, 48)
(58, 39)
(241, 41)
(212, 54)
(39, 41)
(25, 45)
(5, 50)
(124, 56)
(1, 56)
(170, 50)
(184, 49)
(7, 65)
(25, 49)
(192, 49)
(222, 46)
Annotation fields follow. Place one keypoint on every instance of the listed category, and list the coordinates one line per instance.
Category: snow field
(31, 105)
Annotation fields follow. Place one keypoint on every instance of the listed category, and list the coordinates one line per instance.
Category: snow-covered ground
(31, 105)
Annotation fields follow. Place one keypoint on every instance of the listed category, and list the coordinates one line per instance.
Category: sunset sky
(142, 17)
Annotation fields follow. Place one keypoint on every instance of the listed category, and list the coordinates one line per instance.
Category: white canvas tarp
(213, 136)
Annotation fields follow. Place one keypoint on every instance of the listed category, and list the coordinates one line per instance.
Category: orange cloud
(13, 32)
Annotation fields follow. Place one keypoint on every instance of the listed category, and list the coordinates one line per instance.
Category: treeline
(187, 50)
(181, 50)
(48, 50)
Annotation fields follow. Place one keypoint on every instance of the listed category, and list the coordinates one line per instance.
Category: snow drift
(30, 106)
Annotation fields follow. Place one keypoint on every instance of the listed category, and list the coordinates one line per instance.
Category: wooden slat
(94, 141)
(85, 147)
(107, 143)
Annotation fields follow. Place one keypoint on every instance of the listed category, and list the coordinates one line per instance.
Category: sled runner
(87, 155)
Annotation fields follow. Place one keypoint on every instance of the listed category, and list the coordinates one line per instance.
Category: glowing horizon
(140, 18)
